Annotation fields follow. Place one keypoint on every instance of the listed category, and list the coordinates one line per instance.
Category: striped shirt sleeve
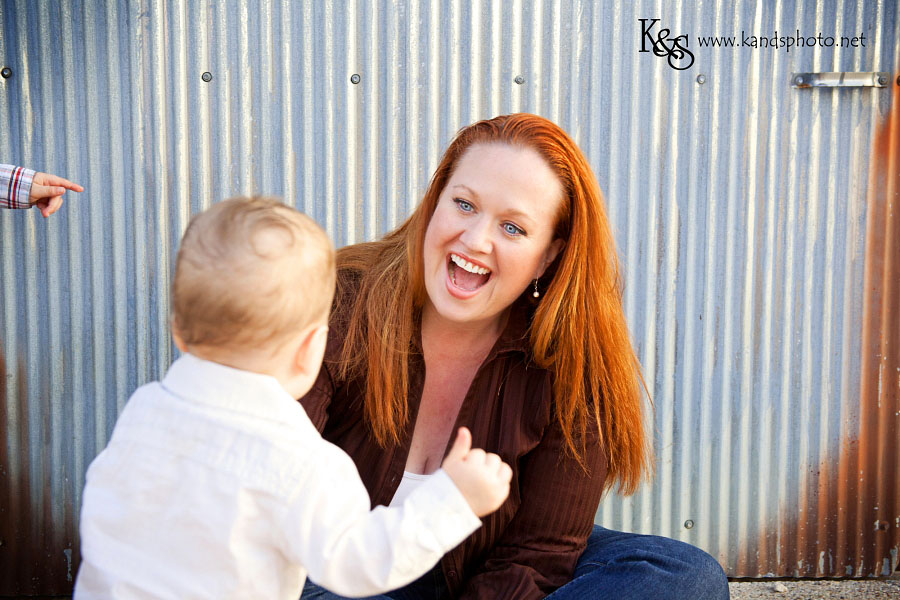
(15, 186)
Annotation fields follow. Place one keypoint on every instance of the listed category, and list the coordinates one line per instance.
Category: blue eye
(463, 205)
(512, 230)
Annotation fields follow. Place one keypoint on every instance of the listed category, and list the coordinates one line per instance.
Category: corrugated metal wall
(757, 225)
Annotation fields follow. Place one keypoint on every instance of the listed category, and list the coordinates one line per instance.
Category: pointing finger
(48, 179)
(71, 185)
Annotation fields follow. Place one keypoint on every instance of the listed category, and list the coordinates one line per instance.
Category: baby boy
(215, 483)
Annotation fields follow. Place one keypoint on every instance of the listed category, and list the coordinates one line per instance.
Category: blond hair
(249, 273)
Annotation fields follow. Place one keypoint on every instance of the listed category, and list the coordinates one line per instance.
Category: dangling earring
(536, 293)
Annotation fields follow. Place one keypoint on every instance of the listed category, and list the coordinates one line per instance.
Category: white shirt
(215, 484)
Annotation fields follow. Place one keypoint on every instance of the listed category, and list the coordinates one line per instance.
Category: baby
(215, 483)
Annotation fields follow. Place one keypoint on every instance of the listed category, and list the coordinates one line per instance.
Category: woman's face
(491, 233)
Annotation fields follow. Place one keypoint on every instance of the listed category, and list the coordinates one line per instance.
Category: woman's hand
(481, 477)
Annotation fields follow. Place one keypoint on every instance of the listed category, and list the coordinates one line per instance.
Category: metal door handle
(842, 79)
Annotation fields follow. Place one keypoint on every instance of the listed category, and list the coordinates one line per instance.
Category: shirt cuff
(454, 523)
(19, 188)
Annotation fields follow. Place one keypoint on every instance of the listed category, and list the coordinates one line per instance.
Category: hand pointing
(47, 192)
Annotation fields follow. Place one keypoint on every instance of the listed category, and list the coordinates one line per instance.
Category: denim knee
(708, 574)
(657, 566)
(687, 571)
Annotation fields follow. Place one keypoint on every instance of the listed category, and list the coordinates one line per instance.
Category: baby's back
(186, 502)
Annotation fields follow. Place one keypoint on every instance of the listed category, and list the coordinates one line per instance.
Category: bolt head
(798, 80)
(519, 79)
(882, 80)
(207, 77)
(701, 79)
(6, 72)
(689, 524)
(354, 79)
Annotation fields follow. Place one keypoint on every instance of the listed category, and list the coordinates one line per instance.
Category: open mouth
(465, 275)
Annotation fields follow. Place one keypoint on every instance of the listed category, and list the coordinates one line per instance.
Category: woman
(497, 305)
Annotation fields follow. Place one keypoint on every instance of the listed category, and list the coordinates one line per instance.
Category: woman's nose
(477, 237)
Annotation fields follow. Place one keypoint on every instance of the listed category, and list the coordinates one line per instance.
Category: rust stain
(858, 526)
(37, 553)
(873, 495)
(846, 521)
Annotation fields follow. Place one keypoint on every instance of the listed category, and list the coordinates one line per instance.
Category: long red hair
(578, 331)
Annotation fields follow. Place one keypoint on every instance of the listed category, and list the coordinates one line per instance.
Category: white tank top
(409, 482)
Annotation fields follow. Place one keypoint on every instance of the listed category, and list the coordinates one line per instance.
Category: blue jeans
(615, 565)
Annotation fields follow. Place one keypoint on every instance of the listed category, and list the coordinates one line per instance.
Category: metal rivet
(882, 80)
(701, 79)
(689, 524)
(354, 79)
(6, 72)
(207, 77)
(519, 79)
(798, 80)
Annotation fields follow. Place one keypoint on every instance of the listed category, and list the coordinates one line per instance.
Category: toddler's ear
(308, 358)
(176, 337)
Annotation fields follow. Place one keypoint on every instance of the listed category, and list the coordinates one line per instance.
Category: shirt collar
(213, 384)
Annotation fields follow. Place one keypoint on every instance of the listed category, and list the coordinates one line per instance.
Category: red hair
(578, 331)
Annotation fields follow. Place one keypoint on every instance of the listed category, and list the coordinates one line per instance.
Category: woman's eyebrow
(518, 214)
(471, 192)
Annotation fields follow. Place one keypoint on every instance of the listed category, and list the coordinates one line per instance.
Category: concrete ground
(827, 589)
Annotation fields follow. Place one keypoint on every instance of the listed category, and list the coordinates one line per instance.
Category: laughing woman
(497, 305)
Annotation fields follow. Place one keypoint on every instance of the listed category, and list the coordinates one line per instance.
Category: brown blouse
(528, 547)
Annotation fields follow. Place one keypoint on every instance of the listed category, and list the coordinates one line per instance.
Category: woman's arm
(539, 549)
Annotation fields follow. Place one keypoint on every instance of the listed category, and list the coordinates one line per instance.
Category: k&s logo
(674, 48)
